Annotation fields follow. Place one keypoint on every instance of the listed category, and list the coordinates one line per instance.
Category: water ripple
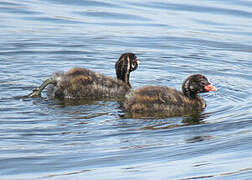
(43, 138)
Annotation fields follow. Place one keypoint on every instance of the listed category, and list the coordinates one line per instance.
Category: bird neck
(124, 76)
(190, 94)
(195, 100)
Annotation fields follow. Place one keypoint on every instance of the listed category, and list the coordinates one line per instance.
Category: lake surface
(47, 139)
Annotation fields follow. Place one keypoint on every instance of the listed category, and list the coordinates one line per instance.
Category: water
(45, 139)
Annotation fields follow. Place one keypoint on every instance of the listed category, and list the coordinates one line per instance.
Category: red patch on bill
(210, 87)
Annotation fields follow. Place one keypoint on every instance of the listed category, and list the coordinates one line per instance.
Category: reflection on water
(194, 119)
(51, 139)
(198, 139)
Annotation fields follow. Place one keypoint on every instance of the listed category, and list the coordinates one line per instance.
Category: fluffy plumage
(155, 99)
(84, 83)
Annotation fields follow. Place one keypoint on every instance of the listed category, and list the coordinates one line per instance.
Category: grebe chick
(162, 99)
(84, 83)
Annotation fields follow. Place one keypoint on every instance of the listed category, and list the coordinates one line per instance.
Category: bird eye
(203, 83)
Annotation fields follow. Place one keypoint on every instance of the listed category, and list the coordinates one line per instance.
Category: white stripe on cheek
(128, 67)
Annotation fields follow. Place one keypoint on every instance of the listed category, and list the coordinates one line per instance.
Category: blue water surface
(47, 139)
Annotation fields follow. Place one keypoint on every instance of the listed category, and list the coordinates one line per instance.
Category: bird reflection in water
(164, 122)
